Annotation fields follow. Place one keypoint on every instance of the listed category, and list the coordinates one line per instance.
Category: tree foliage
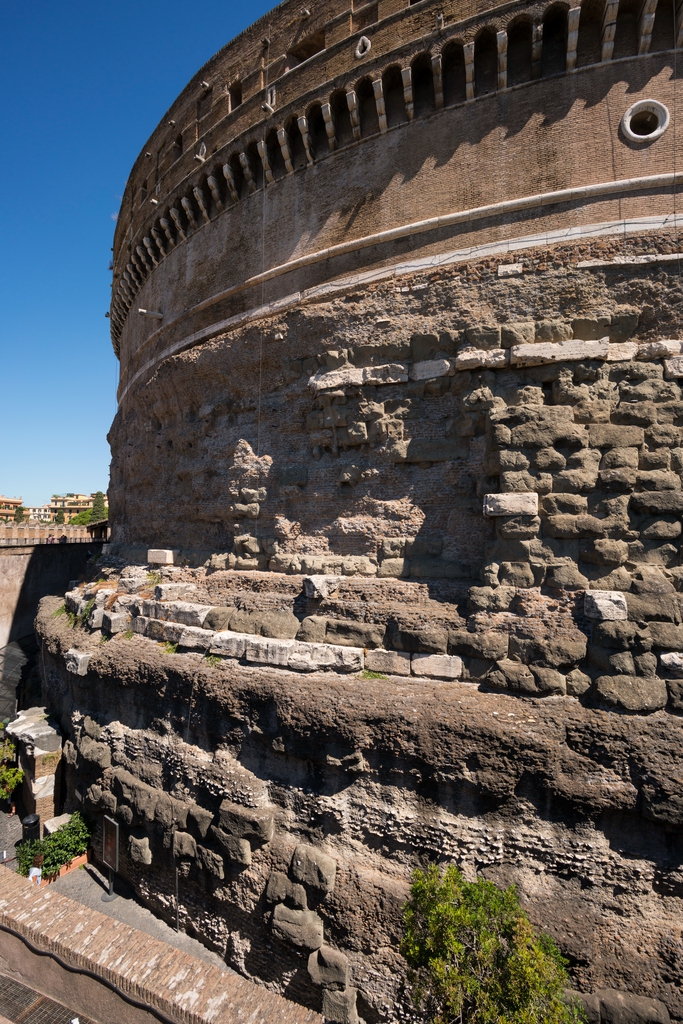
(475, 958)
(59, 518)
(98, 508)
(19, 514)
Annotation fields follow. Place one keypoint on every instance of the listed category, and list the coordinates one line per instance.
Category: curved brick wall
(441, 116)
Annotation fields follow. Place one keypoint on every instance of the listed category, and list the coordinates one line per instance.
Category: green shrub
(475, 958)
(10, 778)
(60, 611)
(369, 674)
(170, 648)
(56, 849)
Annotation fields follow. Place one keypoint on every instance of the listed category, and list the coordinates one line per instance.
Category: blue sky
(82, 85)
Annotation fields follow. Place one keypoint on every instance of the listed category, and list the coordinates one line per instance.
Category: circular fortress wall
(374, 266)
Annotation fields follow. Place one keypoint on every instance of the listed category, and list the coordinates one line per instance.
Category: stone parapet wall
(89, 946)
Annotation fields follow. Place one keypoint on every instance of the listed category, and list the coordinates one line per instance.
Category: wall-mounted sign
(110, 845)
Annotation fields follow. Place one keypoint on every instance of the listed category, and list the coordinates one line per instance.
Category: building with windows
(8, 507)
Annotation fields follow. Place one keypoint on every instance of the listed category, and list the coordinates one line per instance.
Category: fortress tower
(397, 299)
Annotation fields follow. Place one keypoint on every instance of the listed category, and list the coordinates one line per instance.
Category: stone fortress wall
(407, 420)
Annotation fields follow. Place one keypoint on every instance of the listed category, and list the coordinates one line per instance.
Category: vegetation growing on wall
(475, 958)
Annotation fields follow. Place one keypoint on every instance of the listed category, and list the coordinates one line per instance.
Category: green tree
(98, 508)
(59, 518)
(83, 518)
(19, 515)
(475, 958)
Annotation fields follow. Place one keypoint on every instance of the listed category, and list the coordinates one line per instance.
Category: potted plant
(60, 852)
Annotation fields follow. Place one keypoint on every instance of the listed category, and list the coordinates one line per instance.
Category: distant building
(8, 507)
(70, 504)
(39, 512)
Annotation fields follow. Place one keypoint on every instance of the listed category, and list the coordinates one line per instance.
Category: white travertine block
(388, 373)
(320, 587)
(664, 348)
(116, 622)
(672, 662)
(305, 657)
(230, 645)
(622, 352)
(172, 591)
(510, 269)
(77, 662)
(608, 605)
(473, 358)
(160, 556)
(52, 824)
(674, 367)
(436, 666)
(558, 352)
(196, 639)
(429, 368)
(511, 504)
(394, 663)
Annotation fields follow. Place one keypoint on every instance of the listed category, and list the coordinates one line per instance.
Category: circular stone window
(645, 121)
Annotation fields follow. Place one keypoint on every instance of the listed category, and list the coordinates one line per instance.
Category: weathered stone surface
(77, 662)
(160, 556)
(423, 449)
(618, 1007)
(303, 928)
(354, 634)
(429, 368)
(210, 861)
(139, 851)
(563, 351)
(436, 666)
(312, 867)
(340, 1007)
(246, 822)
(281, 889)
(184, 845)
(329, 967)
(605, 604)
(238, 851)
(320, 587)
(478, 645)
(474, 358)
(631, 693)
(672, 664)
(511, 504)
(396, 663)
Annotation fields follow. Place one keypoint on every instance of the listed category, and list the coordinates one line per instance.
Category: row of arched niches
(454, 71)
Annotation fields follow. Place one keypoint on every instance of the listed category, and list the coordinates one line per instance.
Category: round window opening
(645, 121)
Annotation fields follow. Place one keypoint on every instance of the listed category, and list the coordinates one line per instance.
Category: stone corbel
(536, 50)
(189, 212)
(437, 78)
(248, 174)
(284, 148)
(326, 110)
(215, 192)
(159, 241)
(378, 90)
(147, 242)
(407, 79)
(646, 23)
(230, 182)
(175, 217)
(352, 104)
(142, 257)
(468, 53)
(303, 128)
(609, 27)
(502, 48)
(198, 193)
(573, 18)
(166, 227)
(267, 169)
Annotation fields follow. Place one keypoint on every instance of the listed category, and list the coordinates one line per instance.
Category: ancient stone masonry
(396, 496)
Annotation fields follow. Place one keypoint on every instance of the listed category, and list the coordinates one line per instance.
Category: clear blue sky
(82, 85)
